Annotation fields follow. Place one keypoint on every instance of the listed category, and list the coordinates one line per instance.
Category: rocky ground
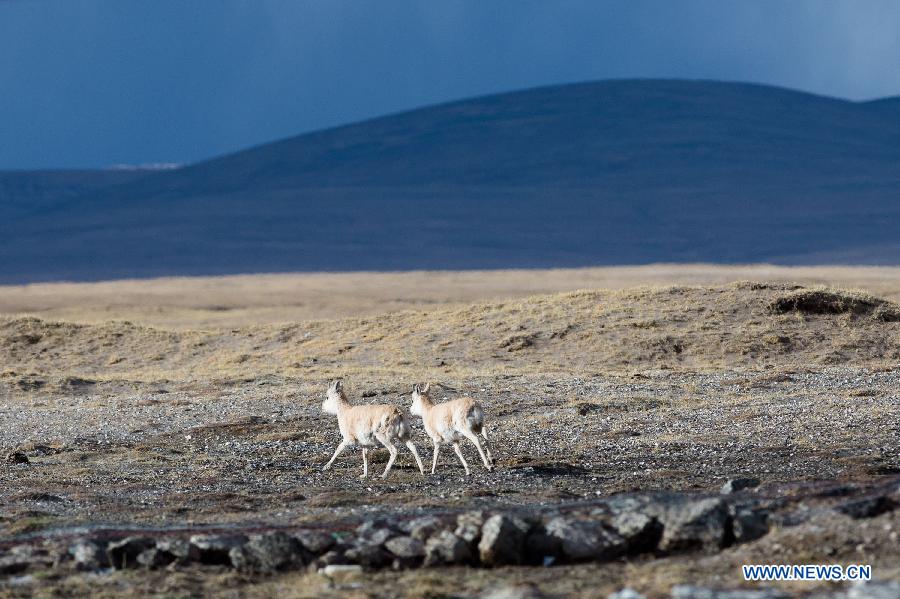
(607, 478)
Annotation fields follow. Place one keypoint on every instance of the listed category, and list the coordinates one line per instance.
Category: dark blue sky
(88, 83)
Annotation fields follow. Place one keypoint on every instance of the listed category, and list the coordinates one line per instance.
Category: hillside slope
(750, 325)
(597, 173)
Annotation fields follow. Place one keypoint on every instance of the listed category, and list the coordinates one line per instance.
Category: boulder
(369, 555)
(519, 591)
(314, 541)
(178, 550)
(468, 526)
(124, 553)
(406, 547)
(690, 523)
(89, 555)
(867, 507)
(640, 531)
(626, 593)
(581, 540)
(446, 548)
(685, 591)
(216, 549)
(269, 552)
(749, 524)
(502, 540)
(424, 527)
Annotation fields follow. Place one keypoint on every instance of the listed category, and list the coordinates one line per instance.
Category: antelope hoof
(364, 476)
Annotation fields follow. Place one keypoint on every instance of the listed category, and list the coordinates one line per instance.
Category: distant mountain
(611, 172)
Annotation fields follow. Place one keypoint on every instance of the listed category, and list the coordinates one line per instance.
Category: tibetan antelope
(451, 422)
(368, 425)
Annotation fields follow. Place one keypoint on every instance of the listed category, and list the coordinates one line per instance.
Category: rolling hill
(610, 172)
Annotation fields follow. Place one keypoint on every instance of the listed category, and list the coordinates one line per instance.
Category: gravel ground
(196, 454)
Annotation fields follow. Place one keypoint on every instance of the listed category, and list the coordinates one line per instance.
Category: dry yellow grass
(749, 325)
(239, 301)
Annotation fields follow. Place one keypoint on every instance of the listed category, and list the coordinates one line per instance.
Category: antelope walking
(450, 422)
(368, 425)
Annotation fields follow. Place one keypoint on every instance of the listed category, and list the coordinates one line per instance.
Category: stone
(502, 540)
(369, 555)
(736, 485)
(13, 564)
(690, 524)
(684, 591)
(215, 549)
(424, 527)
(749, 524)
(882, 589)
(626, 593)
(641, 532)
(153, 558)
(406, 547)
(542, 547)
(446, 548)
(468, 526)
(340, 570)
(179, 550)
(269, 552)
(89, 555)
(124, 553)
(329, 558)
(867, 507)
(519, 591)
(314, 541)
(582, 540)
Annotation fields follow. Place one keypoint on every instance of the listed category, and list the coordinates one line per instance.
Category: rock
(684, 591)
(502, 540)
(585, 539)
(341, 570)
(406, 547)
(542, 547)
(409, 552)
(269, 552)
(123, 554)
(16, 457)
(331, 558)
(369, 528)
(89, 555)
(641, 532)
(13, 564)
(369, 555)
(749, 524)
(626, 593)
(178, 550)
(422, 528)
(314, 541)
(867, 507)
(736, 485)
(154, 558)
(446, 548)
(874, 590)
(519, 591)
(690, 523)
(468, 526)
(215, 549)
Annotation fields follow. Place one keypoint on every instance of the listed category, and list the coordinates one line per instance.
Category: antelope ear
(426, 388)
(416, 388)
(337, 385)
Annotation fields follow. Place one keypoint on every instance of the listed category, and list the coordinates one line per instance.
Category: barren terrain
(201, 414)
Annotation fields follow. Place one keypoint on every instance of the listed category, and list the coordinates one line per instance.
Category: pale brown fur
(368, 425)
(450, 422)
